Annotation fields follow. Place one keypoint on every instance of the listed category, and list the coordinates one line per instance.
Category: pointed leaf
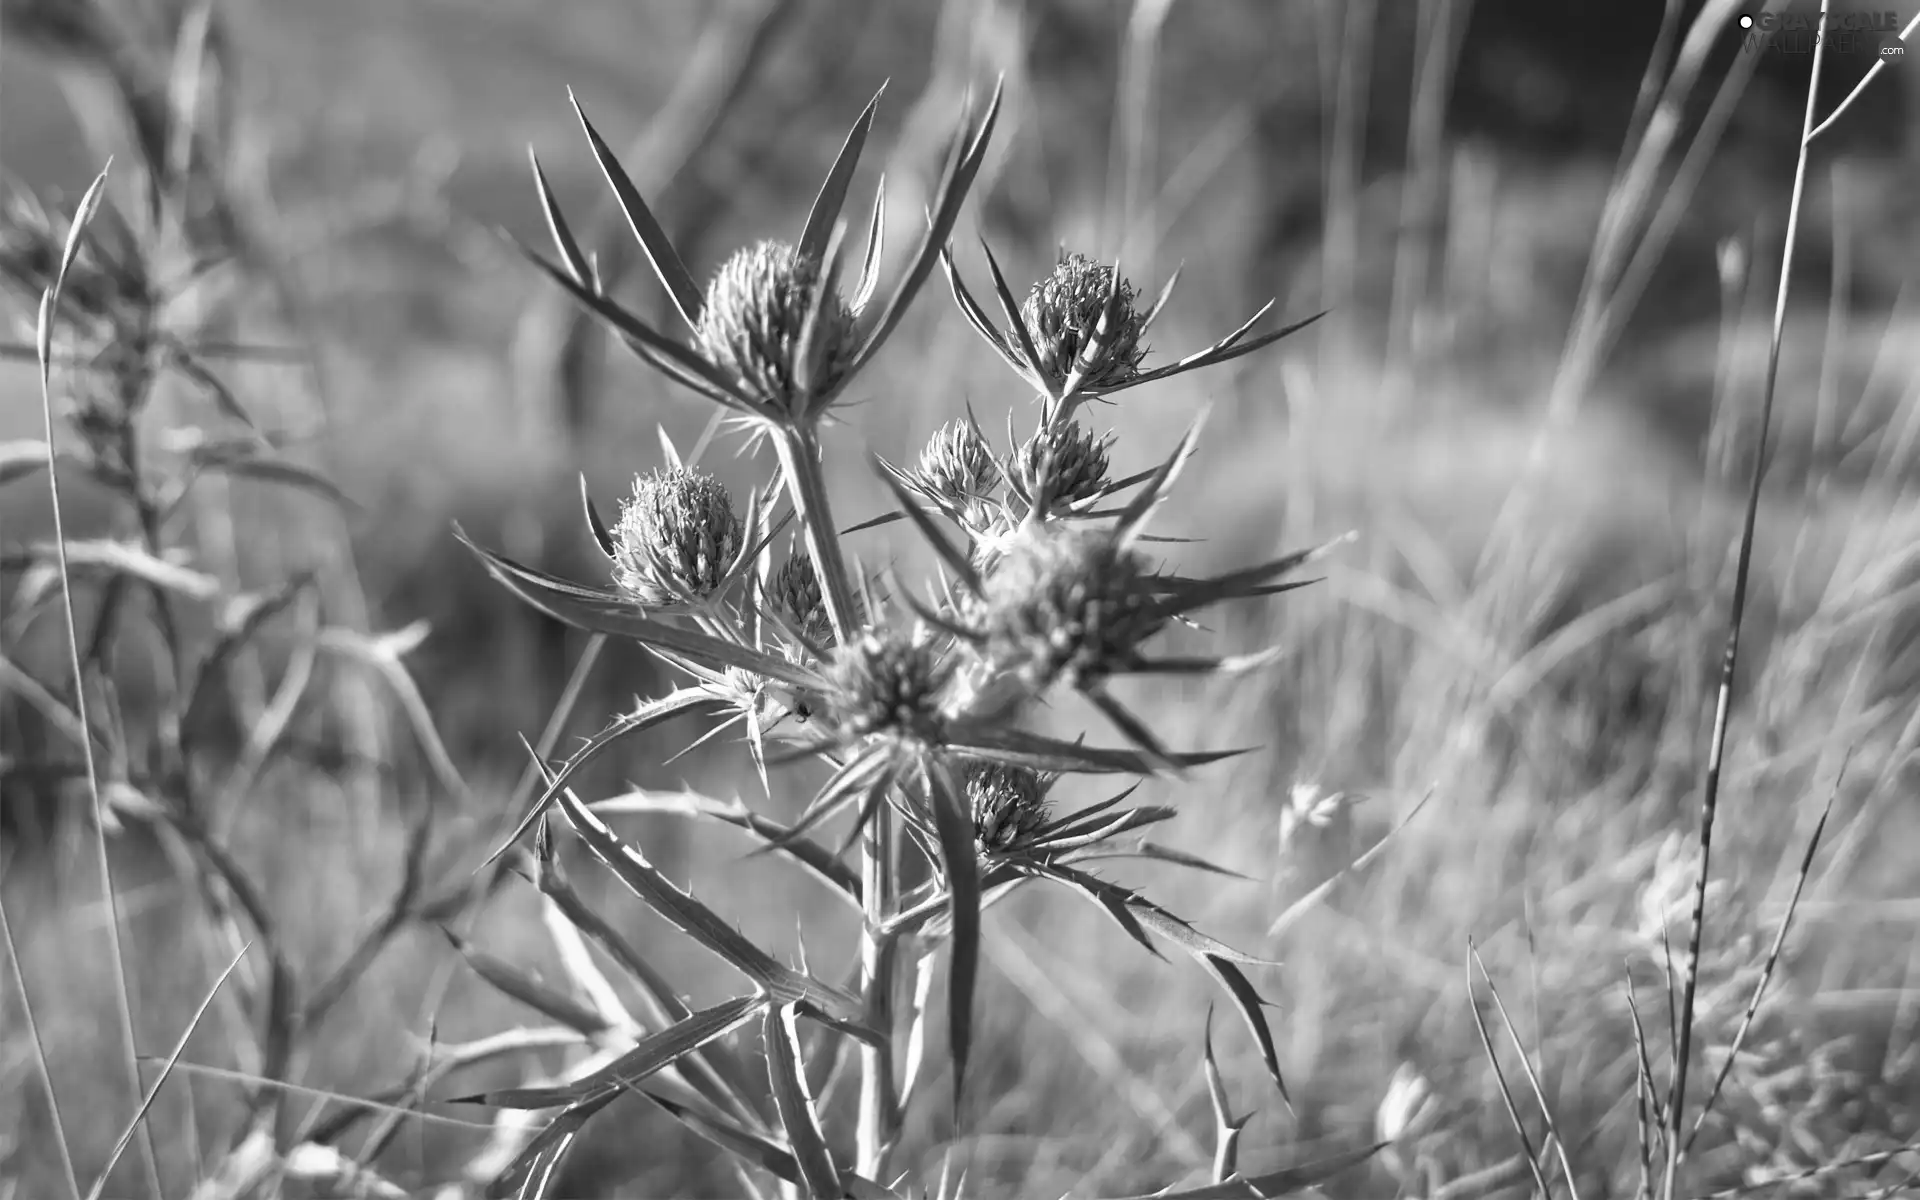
(870, 261)
(701, 923)
(1042, 753)
(646, 716)
(653, 1053)
(950, 554)
(842, 879)
(601, 536)
(554, 1139)
(516, 983)
(787, 1077)
(953, 822)
(1155, 489)
(673, 273)
(833, 192)
(1010, 306)
(952, 193)
(563, 238)
(599, 611)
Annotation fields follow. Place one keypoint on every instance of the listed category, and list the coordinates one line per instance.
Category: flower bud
(1067, 603)
(1063, 311)
(1009, 803)
(678, 539)
(752, 323)
(957, 466)
(1078, 470)
(795, 594)
(887, 681)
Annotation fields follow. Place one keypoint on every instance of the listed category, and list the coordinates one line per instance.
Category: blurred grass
(1547, 807)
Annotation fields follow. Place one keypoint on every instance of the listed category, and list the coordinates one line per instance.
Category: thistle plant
(913, 699)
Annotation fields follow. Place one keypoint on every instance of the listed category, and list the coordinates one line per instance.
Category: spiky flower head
(1062, 313)
(678, 539)
(1078, 467)
(957, 465)
(753, 321)
(890, 681)
(1067, 603)
(1009, 803)
(795, 594)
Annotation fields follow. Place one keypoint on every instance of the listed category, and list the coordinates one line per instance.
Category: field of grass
(1535, 400)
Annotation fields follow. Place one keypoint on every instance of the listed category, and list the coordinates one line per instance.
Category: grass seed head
(1009, 803)
(678, 538)
(1063, 311)
(1079, 467)
(889, 681)
(755, 314)
(105, 292)
(1067, 603)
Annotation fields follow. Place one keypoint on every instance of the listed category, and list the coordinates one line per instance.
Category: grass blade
(166, 1072)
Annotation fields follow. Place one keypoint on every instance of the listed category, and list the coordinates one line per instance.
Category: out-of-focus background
(1549, 238)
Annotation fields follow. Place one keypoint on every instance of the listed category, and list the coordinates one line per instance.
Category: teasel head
(892, 682)
(1066, 461)
(1067, 604)
(1009, 803)
(753, 327)
(679, 540)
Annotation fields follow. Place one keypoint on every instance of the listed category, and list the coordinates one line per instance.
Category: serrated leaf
(652, 1053)
(701, 923)
(554, 1138)
(648, 715)
(815, 858)
(787, 1077)
(760, 1152)
(673, 273)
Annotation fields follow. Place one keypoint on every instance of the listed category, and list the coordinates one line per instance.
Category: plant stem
(799, 451)
(1716, 753)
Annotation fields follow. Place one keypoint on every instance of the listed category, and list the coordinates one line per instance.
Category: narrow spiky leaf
(653, 1053)
(1042, 753)
(701, 923)
(950, 554)
(787, 1077)
(563, 239)
(602, 536)
(870, 261)
(511, 981)
(600, 611)
(673, 273)
(1285, 1182)
(833, 192)
(953, 821)
(553, 1139)
(784, 839)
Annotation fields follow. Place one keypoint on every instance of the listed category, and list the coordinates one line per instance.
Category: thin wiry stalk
(1743, 566)
(49, 309)
(39, 1043)
(1500, 1080)
(1533, 1079)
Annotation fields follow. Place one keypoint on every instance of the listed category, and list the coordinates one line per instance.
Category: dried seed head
(891, 682)
(678, 538)
(1009, 803)
(796, 597)
(752, 324)
(1067, 603)
(956, 465)
(1063, 312)
(1079, 466)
